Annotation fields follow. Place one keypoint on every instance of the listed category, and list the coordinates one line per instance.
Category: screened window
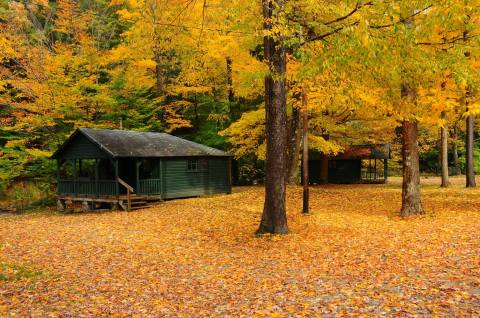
(193, 165)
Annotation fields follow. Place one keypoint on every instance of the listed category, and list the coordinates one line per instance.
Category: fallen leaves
(353, 256)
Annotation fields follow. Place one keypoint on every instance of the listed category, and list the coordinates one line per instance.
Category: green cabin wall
(178, 182)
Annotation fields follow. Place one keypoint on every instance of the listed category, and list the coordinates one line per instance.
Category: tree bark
(444, 152)
(306, 181)
(274, 217)
(231, 94)
(158, 76)
(456, 163)
(411, 201)
(469, 165)
(293, 147)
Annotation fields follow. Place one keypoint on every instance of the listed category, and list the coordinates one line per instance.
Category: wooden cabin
(357, 164)
(130, 169)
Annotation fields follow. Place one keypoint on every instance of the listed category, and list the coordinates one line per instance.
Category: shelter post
(75, 176)
(137, 175)
(385, 170)
(117, 190)
(58, 172)
(96, 176)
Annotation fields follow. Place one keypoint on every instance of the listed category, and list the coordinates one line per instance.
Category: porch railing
(130, 191)
(373, 175)
(150, 186)
(90, 187)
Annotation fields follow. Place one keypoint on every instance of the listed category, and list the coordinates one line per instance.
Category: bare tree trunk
(444, 152)
(469, 165)
(158, 75)
(456, 163)
(274, 217)
(306, 181)
(411, 201)
(231, 95)
(293, 147)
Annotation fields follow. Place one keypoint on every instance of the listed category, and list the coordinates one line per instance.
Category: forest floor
(352, 256)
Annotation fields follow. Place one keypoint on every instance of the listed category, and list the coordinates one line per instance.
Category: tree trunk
(456, 163)
(469, 165)
(293, 147)
(411, 202)
(158, 76)
(231, 95)
(274, 217)
(444, 152)
(306, 181)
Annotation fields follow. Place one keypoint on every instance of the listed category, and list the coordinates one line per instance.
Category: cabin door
(127, 171)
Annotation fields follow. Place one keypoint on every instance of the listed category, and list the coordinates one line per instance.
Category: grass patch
(13, 272)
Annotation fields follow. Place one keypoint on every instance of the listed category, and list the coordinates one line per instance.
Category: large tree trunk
(456, 163)
(411, 202)
(469, 166)
(158, 75)
(231, 95)
(293, 147)
(444, 152)
(274, 217)
(306, 179)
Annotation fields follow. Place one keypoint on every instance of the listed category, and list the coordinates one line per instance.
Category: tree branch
(358, 6)
(403, 20)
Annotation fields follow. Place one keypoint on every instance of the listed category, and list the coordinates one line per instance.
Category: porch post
(115, 162)
(385, 170)
(58, 176)
(160, 170)
(96, 177)
(137, 175)
(75, 177)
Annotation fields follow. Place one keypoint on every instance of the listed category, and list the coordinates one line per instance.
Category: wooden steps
(138, 203)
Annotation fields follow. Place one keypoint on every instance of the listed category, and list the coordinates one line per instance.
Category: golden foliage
(351, 257)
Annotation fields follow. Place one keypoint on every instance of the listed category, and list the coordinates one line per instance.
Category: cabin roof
(126, 143)
(355, 152)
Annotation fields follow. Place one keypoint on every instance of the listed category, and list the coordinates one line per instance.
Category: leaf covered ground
(352, 256)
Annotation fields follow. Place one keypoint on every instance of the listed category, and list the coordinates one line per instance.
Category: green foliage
(476, 160)
(11, 272)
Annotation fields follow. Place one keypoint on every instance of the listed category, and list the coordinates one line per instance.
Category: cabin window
(197, 164)
(192, 165)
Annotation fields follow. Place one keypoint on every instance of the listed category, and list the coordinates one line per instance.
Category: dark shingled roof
(381, 151)
(126, 143)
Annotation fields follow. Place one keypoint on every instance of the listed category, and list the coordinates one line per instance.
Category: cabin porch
(123, 182)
